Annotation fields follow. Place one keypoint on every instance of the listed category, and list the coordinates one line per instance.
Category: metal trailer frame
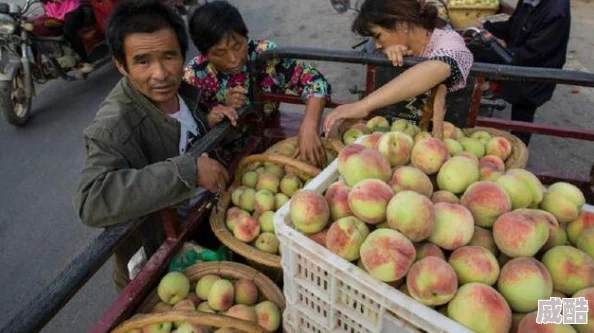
(41, 310)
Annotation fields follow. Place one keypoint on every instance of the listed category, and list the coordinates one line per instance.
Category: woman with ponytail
(410, 28)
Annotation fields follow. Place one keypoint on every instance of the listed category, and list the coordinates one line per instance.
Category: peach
(268, 181)
(387, 254)
(366, 164)
(432, 281)
(351, 135)
(412, 214)
(309, 211)
(453, 226)
(319, 237)
(345, 236)
(474, 264)
(266, 221)
(264, 201)
(428, 250)
(337, 196)
(246, 292)
(584, 221)
(173, 287)
(486, 201)
(516, 319)
(402, 125)
(236, 194)
(221, 295)
(378, 123)
(480, 308)
(484, 238)
(518, 191)
(247, 229)
(247, 200)
(407, 178)
(473, 146)
(457, 174)
(531, 181)
(346, 153)
(570, 268)
(290, 184)
(519, 233)
(249, 179)
(396, 148)
(280, 199)
(186, 327)
(585, 242)
(369, 199)
(482, 136)
(449, 130)
(428, 155)
(564, 201)
(468, 155)
(459, 134)
(267, 242)
(269, 315)
(444, 196)
(421, 135)
(553, 225)
(588, 294)
(522, 282)
(241, 311)
(490, 168)
(183, 305)
(204, 307)
(275, 169)
(529, 325)
(157, 328)
(233, 215)
(205, 284)
(498, 146)
(454, 147)
(371, 141)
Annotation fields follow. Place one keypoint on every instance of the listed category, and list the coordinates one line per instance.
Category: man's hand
(311, 148)
(236, 97)
(219, 112)
(211, 174)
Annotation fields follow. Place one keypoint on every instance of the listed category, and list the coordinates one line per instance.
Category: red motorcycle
(33, 50)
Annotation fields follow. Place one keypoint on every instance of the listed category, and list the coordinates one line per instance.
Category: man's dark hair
(142, 16)
(212, 22)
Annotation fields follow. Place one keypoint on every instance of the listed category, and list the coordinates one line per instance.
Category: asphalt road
(40, 163)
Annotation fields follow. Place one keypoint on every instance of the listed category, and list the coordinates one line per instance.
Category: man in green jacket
(136, 145)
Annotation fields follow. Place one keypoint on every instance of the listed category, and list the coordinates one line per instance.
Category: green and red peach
(368, 200)
(432, 281)
(486, 201)
(522, 282)
(387, 254)
(429, 154)
(453, 226)
(412, 214)
(309, 211)
(407, 178)
(474, 264)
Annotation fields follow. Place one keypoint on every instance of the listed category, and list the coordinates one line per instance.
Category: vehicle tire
(14, 105)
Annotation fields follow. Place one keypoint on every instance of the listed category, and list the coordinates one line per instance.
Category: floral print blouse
(276, 76)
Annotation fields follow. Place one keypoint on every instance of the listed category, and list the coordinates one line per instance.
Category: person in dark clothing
(536, 34)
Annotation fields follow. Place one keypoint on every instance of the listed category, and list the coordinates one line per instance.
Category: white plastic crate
(325, 293)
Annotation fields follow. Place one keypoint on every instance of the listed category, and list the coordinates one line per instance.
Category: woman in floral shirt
(221, 73)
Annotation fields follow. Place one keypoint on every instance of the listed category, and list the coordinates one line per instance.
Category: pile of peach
(212, 294)
(478, 243)
(262, 192)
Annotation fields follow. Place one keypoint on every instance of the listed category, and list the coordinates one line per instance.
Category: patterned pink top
(448, 46)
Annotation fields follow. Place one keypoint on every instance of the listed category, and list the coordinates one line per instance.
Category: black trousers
(75, 20)
(523, 112)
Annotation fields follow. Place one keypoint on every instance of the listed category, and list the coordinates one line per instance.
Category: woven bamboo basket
(519, 154)
(465, 17)
(279, 154)
(225, 269)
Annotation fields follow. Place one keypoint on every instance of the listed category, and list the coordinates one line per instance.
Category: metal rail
(42, 308)
(491, 71)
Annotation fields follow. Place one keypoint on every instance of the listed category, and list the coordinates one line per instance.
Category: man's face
(229, 55)
(155, 64)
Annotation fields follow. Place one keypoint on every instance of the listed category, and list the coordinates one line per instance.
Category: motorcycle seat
(53, 23)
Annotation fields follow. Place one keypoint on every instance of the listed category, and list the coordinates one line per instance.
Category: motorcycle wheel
(14, 104)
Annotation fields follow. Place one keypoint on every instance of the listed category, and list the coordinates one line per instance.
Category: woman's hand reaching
(346, 111)
(396, 54)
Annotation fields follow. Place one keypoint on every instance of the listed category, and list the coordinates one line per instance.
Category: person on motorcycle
(404, 28)
(136, 146)
(221, 73)
(74, 16)
(536, 35)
